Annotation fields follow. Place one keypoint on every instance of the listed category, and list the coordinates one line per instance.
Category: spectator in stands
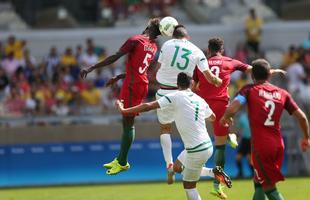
(4, 81)
(91, 45)
(78, 54)
(88, 59)
(2, 53)
(296, 75)
(60, 108)
(241, 53)
(289, 57)
(10, 64)
(306, 43)
(31, 104)
(14, 104)
(51, 62)
(253, 30)
(91, 96)
(68, 59)
(15, 46)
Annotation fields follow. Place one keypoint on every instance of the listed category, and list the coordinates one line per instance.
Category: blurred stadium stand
(45, 107)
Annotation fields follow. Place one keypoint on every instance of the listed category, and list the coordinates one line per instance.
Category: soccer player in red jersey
(140, 50)
(265, 103)
(218, 98)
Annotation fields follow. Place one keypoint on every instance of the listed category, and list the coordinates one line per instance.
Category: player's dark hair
(180, 32)
(216, 45)
(152, 28)
(184, 80)
(261, 69)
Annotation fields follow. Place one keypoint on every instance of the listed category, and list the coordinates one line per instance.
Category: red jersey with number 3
(141, 51)
(265, 105)
(222, 67)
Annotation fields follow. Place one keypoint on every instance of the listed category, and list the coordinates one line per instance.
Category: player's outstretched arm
(211, 78)
(144, 107)
(114, 79)
(230, 112)
(272, 71)
(304, 125)
(108, 61)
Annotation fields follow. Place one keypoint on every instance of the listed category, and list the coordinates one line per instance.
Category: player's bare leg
(259, 193)
(191, 190)
(120, 163)
(166, 145)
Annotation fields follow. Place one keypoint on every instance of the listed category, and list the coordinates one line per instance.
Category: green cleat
(117, 168)
(218, 192)
(110, 164)
(232, 140)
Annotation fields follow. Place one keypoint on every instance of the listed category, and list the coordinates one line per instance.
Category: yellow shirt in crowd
(253, 29)
(17, 48)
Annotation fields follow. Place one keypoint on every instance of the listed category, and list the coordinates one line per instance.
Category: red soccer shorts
(133, 95)
(267, 161)
(219, 107)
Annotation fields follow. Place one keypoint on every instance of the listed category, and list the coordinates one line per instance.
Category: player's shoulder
(247, 88)
(137, 37)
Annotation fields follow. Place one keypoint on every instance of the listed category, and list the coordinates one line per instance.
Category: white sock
(192, 194)
(166, 145)
(207, 172)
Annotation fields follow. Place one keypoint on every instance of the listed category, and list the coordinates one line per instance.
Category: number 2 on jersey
(196, 103)
(185, 55)
(272, 106)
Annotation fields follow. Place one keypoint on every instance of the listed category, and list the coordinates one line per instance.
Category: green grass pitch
(292, 189)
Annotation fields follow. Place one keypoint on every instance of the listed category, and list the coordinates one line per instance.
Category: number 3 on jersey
(215, 70)
(270, 104)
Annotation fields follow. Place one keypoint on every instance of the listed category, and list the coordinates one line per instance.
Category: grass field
(292, 189)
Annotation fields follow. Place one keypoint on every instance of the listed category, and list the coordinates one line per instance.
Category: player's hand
(305, 144)
(112, 81)
(84, 72)
(226, 121)
(119, 105)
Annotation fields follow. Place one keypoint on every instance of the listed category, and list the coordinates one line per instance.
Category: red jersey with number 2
(141, 51)
(265, 105)
(222, 67)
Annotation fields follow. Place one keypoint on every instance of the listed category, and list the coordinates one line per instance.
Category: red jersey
(265, 105)
(141, 51)
(222, 67)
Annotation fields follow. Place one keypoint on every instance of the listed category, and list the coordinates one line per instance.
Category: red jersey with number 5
(265, 105)
(141, 51)
(222, 67)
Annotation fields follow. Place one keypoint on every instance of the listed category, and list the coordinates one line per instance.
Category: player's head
(261, 70)
(215, 46)
(184, 81)
(180, 32)
(152, 28)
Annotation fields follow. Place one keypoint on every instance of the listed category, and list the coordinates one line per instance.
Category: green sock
(259, 193)
(274, 195)
(127, 139)
(219, 158)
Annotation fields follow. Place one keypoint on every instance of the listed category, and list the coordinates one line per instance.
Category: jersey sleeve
(161, 53)
(202, 62)
(240, 66)
(166, 101)
(129, 45)
(243, 94)
(290, 105)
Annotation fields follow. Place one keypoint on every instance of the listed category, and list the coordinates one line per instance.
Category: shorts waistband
(200, 147)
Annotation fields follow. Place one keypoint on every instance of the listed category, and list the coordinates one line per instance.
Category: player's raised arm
(114, 79)
(304, 125)
(144, 107)
(272, 71)
(127, 47)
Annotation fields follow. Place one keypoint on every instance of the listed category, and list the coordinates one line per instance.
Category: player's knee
(189, 185)
(165, 128)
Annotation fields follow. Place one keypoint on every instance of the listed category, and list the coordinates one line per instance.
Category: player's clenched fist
(305, 144)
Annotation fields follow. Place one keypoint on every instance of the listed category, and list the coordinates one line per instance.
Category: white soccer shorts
(166, 115)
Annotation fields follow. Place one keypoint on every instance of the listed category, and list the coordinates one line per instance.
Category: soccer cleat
(232, 140)
(218, 192)
(221, 176)
(117, 168)
(170, 174)
(110, 164)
